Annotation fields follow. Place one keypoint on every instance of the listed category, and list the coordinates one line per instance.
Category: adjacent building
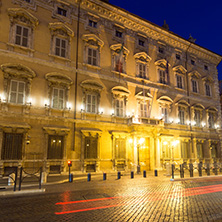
(92, 83)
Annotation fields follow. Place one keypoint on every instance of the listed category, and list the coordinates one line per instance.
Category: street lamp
(141, 141)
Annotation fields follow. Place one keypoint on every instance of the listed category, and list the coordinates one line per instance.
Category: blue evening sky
(202, 19)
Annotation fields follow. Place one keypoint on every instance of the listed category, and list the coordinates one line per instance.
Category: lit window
(165, 114)
(92, 56)
(60, 47)
(92, 24)
(207, 88)
(17, 92)
(119, 107)
(61, 11)
(194, 86)
(21, 37)
(58, 98)
(143, 109)
(91, 103)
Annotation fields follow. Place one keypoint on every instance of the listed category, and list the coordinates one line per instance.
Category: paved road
(138, 199)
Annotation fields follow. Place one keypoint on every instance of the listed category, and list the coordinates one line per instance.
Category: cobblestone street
(138, 199)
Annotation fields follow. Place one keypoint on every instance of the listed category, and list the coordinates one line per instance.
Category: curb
(196, 178)
(21, 192)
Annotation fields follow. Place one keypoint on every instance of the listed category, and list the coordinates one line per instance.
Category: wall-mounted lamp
(68, 105)
(101, 111)
(203, 124)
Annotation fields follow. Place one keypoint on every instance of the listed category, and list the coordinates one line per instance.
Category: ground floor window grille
(55, 147)
(90, 148)
(12, 146)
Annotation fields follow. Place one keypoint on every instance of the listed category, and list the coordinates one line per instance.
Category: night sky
(201, 19)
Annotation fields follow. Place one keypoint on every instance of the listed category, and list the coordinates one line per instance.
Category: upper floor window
(162, 76)
(192, 62)
(58, 98)
(141, 43)
(165, 104)
(181, 115)
(211, 121)
(17, 92)
(119, 34)
(60, 39)
(92, 23)
(61, 11)
(197, 117)
(207, 89)
(91, 103)
(17, 82)
(194, 86)
(58, 88)
(165, 114)
(92, 56)
(178, 57)
(22, 27)
(182, 112)
(205, 67)
(119, 107)
(28, 1)
(142, 70)
(163, 71)
(179, 79)
(161, 50)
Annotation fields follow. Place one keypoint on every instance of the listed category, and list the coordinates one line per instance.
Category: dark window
(194, 86)
(90, 148)
(21, 36)
(12, 146)
(92, 24)
(161, 50)
(192, 62)
(207, 87)
(119, 34)
(206, 67)
(28, 1)
(61, 11)
(92, 56)
(55, 147)
(60, 47)
(141, 43)
(178, 56)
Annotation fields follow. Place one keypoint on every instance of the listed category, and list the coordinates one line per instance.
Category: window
(205, 67)
(178, 56)
(192, 62)
(55, 147)
(119, 34)
(119, 107)
(120, 148)
(61, 11)
(143, 109)
(213, 148)
(161, 50)
(21, 37)
(142, 70)
(12, 146)
(90, 147)
(58, 98)
(166, 151)
(163, 76)
(165, 114)
(197, 117)
(181, 116)
(179, 81)
(17, 92)
(200, 154)
(28, 1)
(92, 56)
(141, 43)
(60, 47)
(92, 23)
(211, 121)
(91, 103)
(184, 150)
(194, 86)
(207, 89)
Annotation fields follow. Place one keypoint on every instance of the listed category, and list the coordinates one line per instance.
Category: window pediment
(165, 100)
(58, 78)
(92, 39)
(198, 106)
(194, 74)
(208, 79)
(212, 109)
(17, 70)
(118, 47)
(182, 103)
(142, 56)
(59, 28)
(120, 91)
(22, 16)
(162, 63)
(91, 85)
(179, 69)
(144, 95)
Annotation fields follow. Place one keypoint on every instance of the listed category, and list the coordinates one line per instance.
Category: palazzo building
(89, 82)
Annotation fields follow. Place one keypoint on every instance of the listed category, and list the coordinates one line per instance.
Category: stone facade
(87, 82)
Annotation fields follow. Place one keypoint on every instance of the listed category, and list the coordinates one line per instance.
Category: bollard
(11, 179)
(132, 175)
(119, 175)
(89, 177)
(144, 173)
(70, 177)
(104, 176)
(172, 171)
(200, 169)
(208, 169)
(191, 170)
(155, 173)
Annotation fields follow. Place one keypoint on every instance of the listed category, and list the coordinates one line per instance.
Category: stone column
(157, 148)
(206, 151)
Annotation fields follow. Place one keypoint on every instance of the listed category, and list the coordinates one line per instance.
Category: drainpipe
(76, 75)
